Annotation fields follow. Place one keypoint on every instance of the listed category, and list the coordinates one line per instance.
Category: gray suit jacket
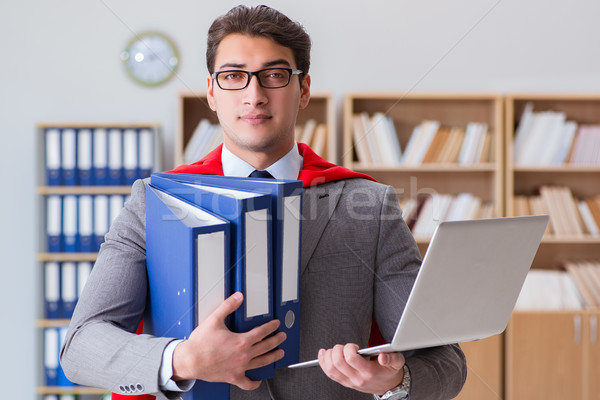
(359, 260)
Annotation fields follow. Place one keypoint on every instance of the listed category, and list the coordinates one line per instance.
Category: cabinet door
(544, 356)
(592, 356)
(484, 369)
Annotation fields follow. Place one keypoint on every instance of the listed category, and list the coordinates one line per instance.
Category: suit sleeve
(101, 348)
(436, 373)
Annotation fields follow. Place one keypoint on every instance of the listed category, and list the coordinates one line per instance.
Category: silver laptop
(468, 284)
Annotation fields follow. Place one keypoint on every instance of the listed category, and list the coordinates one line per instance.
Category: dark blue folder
(188, 265)
(250, 251)
(286, 203)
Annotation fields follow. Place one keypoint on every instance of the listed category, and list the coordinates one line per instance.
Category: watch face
(150, 58)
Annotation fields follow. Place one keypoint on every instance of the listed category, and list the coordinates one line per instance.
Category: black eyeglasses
(269, 78)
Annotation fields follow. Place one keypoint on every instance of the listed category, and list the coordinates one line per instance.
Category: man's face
(256, 119)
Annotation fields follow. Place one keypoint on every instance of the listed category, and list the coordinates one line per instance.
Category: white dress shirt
(287, 167)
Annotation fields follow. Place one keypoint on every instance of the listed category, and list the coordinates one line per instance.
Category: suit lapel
(318, 205)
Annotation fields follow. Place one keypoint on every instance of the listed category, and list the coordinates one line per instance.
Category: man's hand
(215, 354)
(344, 365)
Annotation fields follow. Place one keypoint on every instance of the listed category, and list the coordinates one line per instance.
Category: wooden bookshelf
(193, 107)
(525, 180)
(553, 354)
(485, 180)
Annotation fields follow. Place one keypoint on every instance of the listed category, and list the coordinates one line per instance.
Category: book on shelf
(376, 142)
(314, 134)
(568, 216)
(424, 213)
(206, 137)
(549, 290)
(586, 275)
(547, 138)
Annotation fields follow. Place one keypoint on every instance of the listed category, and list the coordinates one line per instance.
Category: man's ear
(304, 92)
(209, 93)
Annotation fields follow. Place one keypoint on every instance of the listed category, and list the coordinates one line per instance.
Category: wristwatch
(401, 391)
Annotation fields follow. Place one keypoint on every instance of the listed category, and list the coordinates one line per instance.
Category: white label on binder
(115, 149)
(211, 267)
(130, 150)
(68, 149)
(86, 215)
(84, 149)
(100, 149)
(52, 149)
(291, 249)
(69, 281)
(70, 217)
(100, 214)
(52, 281)
(53, 215)
(146, 149)
(257, 263)
(51, 348)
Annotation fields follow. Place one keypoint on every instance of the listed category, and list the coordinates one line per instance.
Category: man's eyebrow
(265, 65)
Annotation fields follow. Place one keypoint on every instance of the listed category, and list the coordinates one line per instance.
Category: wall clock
(150, 58)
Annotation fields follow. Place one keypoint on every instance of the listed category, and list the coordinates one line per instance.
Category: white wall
(59, 61)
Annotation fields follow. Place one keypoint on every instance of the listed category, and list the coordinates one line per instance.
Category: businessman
(359, 260)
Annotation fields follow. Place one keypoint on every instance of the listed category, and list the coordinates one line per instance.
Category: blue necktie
(261, 174)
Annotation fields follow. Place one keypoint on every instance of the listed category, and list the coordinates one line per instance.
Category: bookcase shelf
(193, 107)
(66, 257)
(534, 338)
(484, 180)
(78, 263)
(47, 190)
(407, 110)
(77, 390)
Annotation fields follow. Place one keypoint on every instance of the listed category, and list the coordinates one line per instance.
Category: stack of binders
(210, 236)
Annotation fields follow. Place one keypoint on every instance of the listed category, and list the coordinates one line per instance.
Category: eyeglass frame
(250, 74)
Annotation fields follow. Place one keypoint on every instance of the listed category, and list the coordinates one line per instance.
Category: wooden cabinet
(484, 369)
(193, 107)
(552, 355)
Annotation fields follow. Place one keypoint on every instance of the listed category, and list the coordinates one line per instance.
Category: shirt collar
(287, 167)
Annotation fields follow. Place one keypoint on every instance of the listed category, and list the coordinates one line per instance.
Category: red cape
(315, 170)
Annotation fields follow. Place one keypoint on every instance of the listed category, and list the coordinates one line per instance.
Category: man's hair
(260, 21)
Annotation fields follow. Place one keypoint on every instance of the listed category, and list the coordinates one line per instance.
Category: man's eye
(232, 76)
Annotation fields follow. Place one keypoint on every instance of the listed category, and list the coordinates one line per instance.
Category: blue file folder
(54, 223)
(51, 351)
(100, 157)
(131, 170)
(84, 156)
(286, 210)
(68, 288)
(52, 290)
(115, 157)
(250, 249)
(52, 156)
(69, 157)
(188, 266)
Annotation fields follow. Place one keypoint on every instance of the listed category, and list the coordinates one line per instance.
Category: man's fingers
(228, 306)
(266, 359)
(268, 344)
(391, 360)
(247, 384)
(260, 332)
